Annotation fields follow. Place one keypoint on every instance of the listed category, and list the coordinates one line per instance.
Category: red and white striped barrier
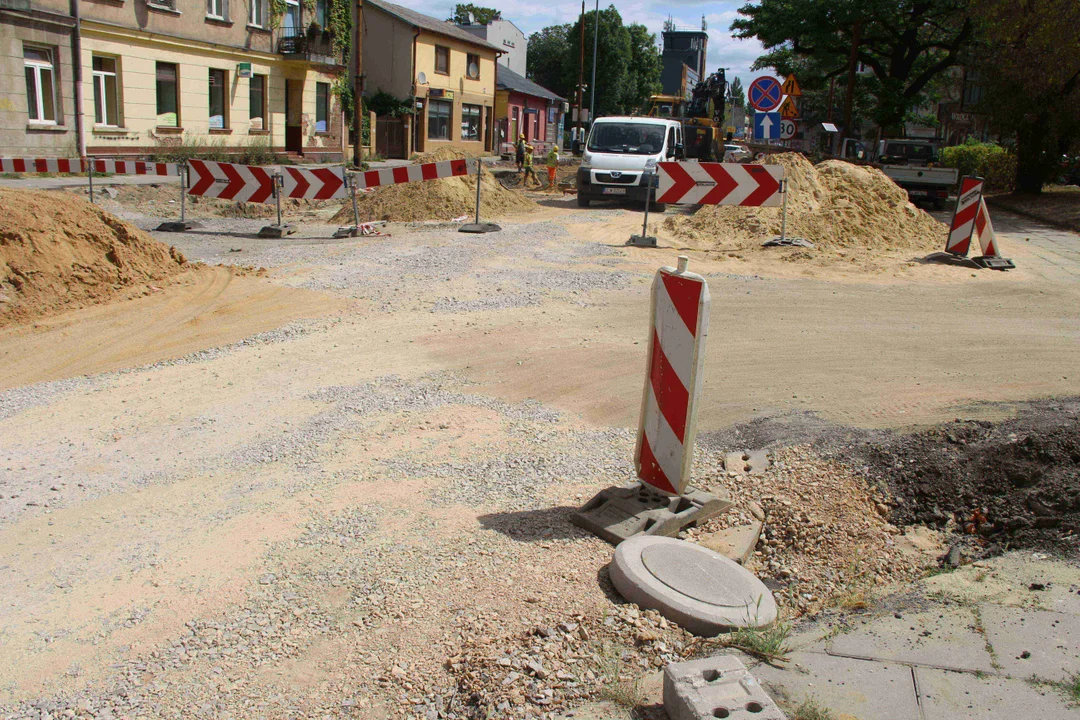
(985, 230)
(415, 173)
(243, 183)
(963, 222)
(41, 165)
(676, 355)
(135, 167)
(319, 184)
(693, 183)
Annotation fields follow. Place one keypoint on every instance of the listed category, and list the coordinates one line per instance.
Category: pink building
(523, 107)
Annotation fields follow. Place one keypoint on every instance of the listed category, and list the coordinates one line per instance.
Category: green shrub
(990, 161)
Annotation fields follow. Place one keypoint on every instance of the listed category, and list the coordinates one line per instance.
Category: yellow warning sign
(789, 110)
(791, 87)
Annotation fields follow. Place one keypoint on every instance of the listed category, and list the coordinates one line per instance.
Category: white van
(621, 155)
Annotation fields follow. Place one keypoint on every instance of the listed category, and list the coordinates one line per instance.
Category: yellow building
(448, 74)
(159, 73)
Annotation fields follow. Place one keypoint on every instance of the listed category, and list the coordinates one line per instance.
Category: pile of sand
(58, 251)
(835, 205)
(437, 199)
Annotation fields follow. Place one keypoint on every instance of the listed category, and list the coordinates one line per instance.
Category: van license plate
(614, 191)
(918, 193)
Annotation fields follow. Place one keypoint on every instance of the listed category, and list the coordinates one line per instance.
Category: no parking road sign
(765, 93)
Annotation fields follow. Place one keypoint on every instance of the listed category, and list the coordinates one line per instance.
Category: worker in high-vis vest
(552, 165)
(528, 166)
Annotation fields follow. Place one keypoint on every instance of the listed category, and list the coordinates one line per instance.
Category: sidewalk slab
(945, 638)
(1051, 640)
(947, 695)
(861, 689)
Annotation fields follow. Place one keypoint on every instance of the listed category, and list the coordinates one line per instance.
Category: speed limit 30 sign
(788, 128)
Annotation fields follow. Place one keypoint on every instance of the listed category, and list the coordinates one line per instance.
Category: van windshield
(627, 138)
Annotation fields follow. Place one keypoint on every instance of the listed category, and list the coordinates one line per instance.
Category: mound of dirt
(59, 251)
(437, 199)
(1015, 483)
(835, 205)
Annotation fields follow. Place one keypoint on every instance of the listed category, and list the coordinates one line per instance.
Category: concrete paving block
(735, 543)
(946, 639)
(750, 462)
(715, 687)
(1033, 642)
(861, 689)
(693, 586)
(948, 695)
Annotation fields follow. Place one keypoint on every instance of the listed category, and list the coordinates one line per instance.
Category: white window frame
(255, 12)
(38, 66)
(100, 87)
(212, 5)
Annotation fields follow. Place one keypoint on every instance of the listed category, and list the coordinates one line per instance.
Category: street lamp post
(592, 91)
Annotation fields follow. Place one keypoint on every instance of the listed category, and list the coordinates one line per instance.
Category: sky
(724, 51)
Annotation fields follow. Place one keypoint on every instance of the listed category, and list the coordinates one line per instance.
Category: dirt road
(312, 521)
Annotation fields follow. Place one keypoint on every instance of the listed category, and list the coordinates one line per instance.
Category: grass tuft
(809, 709)
(622, 683)
(767, 643)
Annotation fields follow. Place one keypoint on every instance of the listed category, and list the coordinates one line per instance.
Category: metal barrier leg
(279, 230)
(173, 226)
(90, 177)
(477, 226)
(644, 239)
(784, 240)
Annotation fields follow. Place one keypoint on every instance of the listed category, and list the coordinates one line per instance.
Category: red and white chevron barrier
(243, 183)
(135, 167)
(41, 165)
(963, 222)
(693, 183)
(985, 230)
(680, 323)
(415, 173)
(320, 184)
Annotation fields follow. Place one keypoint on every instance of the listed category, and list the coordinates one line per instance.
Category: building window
(216, 8)
(106, 92)
(290, 21)
(322, 107)
(442, 60)
(219, 118)
(321, 13)
(439, 112)
(40, 85)
(167, 95)
(257, 102)
(472, 66)
(470, 122)
(257, 9)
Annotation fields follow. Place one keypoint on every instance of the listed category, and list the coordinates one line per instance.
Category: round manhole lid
(687, 570)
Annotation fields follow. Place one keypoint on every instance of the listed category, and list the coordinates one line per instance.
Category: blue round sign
(765, 93)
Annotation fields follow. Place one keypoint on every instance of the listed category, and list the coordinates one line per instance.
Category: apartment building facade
(448, 74)
(157, 73)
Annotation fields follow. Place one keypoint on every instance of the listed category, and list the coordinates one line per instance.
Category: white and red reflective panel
(963, 221)
(985, 230)
(414, 173)
(676, 355)
(243, 183)
(693, 183)
(318, 184)
(41, 165)
(135, 167)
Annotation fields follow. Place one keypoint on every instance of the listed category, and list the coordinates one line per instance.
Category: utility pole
(856, 34)
(592, 87)
(581, 72)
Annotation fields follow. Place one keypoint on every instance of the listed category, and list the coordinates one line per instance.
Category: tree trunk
(1032, 166)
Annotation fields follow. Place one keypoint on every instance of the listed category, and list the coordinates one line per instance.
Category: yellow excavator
(702, 116)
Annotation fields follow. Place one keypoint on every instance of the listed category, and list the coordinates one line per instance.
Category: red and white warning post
(680, 323)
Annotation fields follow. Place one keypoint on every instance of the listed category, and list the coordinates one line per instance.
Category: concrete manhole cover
(695, 587)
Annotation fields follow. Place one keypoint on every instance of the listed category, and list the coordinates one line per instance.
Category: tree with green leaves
(643, 76)
(612, 60)
(904, 44)
(550, 62)
(1027, 66)
(480, 15)
(736, 97)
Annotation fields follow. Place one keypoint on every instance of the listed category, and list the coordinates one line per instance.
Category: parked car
(737, 153)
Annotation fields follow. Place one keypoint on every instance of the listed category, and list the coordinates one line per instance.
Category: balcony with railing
(312, 44)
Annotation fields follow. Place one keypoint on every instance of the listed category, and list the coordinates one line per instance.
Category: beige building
(159, 73)
(449, 75)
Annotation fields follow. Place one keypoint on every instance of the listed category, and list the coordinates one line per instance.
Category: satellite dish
(422, 78)
(474, 70)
